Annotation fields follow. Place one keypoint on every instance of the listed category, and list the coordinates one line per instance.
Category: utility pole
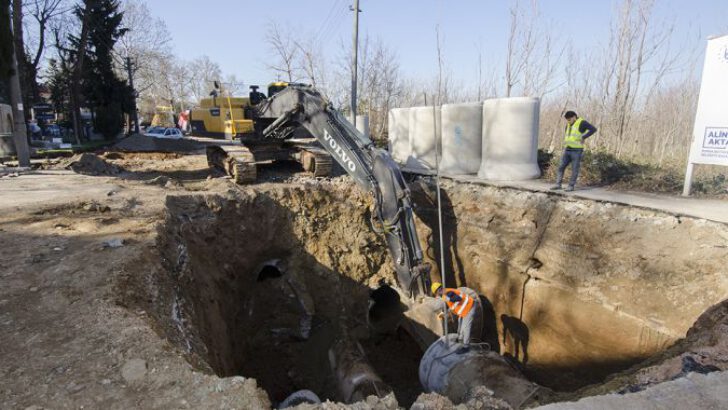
(20, 136)
(354, 66)
(134, 117)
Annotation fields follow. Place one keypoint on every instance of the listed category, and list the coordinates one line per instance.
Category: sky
(232, 32)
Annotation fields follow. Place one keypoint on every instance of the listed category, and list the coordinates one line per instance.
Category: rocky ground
(76, 333)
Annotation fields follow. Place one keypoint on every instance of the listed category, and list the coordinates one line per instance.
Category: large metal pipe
(355, 378)
(452, 370)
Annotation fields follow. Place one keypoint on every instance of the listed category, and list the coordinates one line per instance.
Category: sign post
(710, 133)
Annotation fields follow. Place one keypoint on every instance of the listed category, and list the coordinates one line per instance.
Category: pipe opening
(385, 309)
(270, 270)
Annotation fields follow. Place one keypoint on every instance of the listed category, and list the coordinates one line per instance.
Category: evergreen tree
(58, 77)
(103, 91)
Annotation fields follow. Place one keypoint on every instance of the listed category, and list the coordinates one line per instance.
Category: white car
(161, 132)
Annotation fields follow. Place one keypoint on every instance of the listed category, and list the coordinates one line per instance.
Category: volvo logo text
(339, 152)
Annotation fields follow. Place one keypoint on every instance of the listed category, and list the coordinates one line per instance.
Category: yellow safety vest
(572, 139)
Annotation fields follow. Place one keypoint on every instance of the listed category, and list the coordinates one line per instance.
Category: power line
(335, 24)
(327, 21)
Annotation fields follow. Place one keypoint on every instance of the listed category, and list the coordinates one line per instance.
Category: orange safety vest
(461, 308)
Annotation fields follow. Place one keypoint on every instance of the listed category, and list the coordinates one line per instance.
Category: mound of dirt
(141, 143)
(91, 164)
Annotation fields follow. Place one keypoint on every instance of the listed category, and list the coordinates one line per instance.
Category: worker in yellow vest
(461, 305)
(577, 131)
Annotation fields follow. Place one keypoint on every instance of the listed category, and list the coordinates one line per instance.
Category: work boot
(570, 188)
(556, 187)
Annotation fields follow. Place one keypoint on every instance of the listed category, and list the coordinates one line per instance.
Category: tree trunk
(19, 45)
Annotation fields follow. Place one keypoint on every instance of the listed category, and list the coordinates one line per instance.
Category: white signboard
(710, 135)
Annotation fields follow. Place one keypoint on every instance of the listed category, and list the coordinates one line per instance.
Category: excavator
(243, 123)
(300, 107)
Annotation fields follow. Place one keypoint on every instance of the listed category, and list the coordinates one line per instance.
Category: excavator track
(243, 172)
(235, 160)
(318, 162)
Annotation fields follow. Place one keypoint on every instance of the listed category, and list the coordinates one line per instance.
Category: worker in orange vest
(460, 305)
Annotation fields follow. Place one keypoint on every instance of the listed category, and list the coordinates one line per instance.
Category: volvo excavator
(243, 122)
(301, 107)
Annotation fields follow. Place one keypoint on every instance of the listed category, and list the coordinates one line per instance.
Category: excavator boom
(372, 168)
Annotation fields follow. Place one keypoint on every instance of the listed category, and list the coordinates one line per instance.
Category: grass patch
(600, 168)
(75, 149)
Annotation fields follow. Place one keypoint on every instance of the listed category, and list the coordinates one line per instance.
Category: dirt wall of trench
(580, 288)
(212, 303)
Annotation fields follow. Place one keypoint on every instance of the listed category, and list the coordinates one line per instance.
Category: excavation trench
(268, 284)
(274, 286)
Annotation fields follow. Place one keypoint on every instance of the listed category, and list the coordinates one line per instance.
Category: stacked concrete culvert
(424, 139)
(496, 139)
(399, 145)
(510, 139)
(462, 128)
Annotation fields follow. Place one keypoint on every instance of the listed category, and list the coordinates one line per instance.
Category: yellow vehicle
(256, 135)
(221, 117)
(229, 117)
(163, 117)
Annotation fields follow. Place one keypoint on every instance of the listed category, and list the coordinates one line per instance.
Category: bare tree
(285, 52)
(311, 62)
(634, 48)
(146, 43)
(521, 43)
(203, 72)
(233, 85)
(43, 11)
(637, 74)
(531, 57)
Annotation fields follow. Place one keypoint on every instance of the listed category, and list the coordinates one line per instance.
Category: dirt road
(65, 341)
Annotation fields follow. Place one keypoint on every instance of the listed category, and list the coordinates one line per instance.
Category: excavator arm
(372, 168)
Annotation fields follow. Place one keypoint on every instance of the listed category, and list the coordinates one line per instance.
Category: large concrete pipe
(385, 309)
(355, 378)
(399, 145)
(456, 372)
(510, 139)
(362, 125)
(295, 288)
(424, 139)
(462, 138)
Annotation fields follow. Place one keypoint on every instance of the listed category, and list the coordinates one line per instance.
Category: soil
(139, 289)
(90, 164)
(67, 341)
(703, 350)
(576, 289)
